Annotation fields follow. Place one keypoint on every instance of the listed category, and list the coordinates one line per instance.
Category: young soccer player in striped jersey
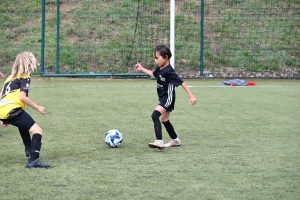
(14, 97)
(167, 80)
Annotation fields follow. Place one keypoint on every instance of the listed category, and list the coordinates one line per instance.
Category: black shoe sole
(154, 146)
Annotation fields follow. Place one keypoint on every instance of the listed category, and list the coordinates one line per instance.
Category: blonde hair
(24, 65)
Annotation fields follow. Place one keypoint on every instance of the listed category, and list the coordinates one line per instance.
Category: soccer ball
(113, 138)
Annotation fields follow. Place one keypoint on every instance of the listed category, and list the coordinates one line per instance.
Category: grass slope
(110, 36)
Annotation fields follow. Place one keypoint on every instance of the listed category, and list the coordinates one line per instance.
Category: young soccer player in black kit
(14, 97)
(167, 79)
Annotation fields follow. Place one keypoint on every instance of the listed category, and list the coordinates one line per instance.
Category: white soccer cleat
(157, 144)
(173, 143)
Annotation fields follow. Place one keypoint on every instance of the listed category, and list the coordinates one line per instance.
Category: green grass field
(238, 142)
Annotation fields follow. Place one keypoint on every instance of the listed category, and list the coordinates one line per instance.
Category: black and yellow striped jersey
(10, 99)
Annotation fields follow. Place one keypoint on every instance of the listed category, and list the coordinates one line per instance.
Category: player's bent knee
(155, 115)
(36, 129)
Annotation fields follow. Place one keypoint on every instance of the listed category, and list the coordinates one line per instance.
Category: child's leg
(25, 135)
(158, 143)
(36, 142)
(35, 146)
(157, 125)
(25, 122)
(169, 127)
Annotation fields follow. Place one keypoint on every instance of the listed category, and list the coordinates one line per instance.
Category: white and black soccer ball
(113, 138)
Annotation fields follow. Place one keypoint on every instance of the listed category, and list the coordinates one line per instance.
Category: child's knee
(155, 115)
(36, 129)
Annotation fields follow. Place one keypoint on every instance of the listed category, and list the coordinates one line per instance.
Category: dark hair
(163, 50)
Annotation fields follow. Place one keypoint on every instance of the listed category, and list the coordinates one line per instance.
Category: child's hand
(1, 75)
(138, 66)
(193, 100)
(41, 110)
(4, 124)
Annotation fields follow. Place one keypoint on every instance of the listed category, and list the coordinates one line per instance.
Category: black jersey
(166, 80)
(10, 99)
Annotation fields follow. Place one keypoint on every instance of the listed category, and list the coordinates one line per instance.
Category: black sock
(170, 129)
(157, 125)
(35, 146)
(25, 135)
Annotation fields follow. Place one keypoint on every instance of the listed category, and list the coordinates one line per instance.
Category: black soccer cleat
(37, 164)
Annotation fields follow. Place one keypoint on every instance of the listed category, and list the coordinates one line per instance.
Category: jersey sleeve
(174, 78)
(155, 72)
(24, 86)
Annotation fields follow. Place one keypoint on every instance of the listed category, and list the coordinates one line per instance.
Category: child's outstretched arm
(139, 67)
(193, 100)
(29, 102)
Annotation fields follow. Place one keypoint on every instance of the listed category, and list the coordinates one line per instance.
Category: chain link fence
(91, 36)
(252, 35)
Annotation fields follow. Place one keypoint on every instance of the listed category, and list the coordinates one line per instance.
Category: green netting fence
(92, 37)
(255, 35)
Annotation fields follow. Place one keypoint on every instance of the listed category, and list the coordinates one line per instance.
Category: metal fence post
(57, 36)
(202, 38)
(42, 64)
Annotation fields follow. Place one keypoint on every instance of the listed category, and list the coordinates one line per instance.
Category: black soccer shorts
(22, 120)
